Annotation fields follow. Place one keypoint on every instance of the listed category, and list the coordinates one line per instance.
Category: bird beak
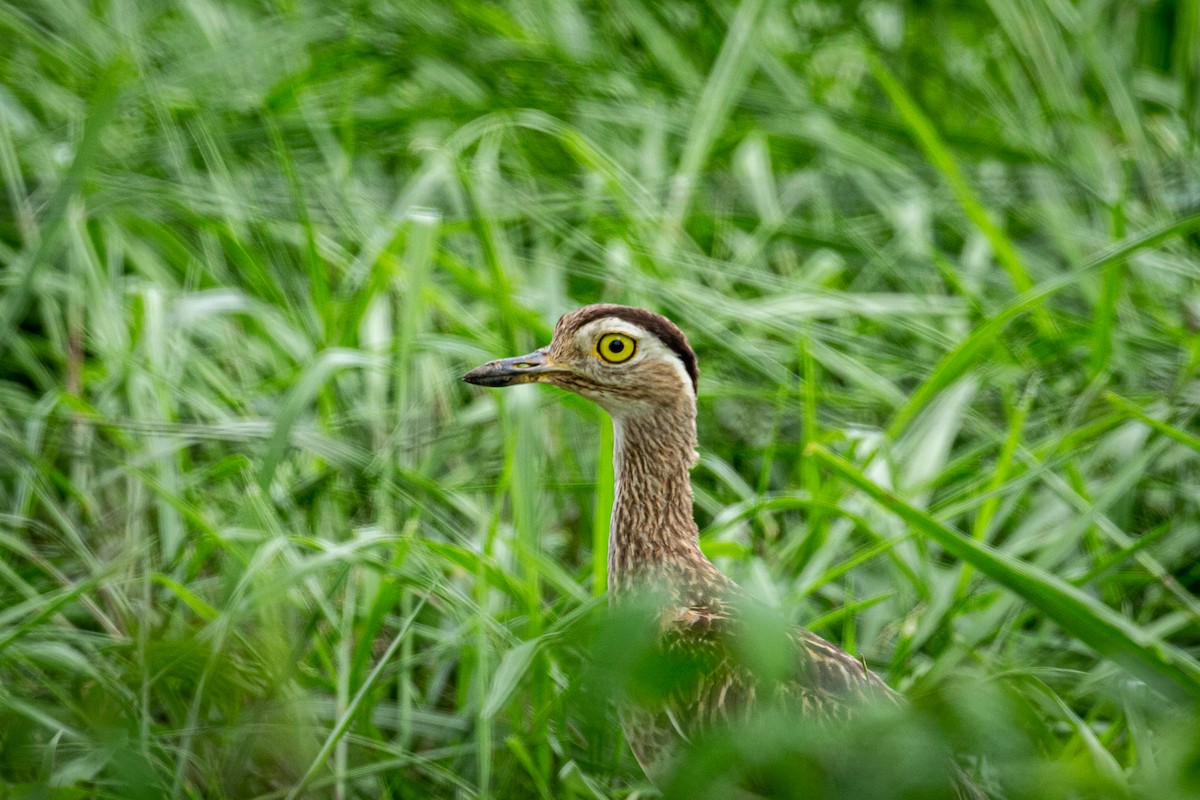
(511, 371)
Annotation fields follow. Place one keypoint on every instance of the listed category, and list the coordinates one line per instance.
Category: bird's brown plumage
(653, 538)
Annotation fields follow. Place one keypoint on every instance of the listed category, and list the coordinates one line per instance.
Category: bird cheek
(609, 399)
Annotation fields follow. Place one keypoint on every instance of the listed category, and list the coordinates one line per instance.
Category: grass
(939, 262)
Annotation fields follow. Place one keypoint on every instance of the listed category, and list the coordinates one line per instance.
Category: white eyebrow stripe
(613, 325)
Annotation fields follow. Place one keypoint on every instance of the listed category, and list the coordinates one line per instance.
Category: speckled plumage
(653, 545)
(653, 538)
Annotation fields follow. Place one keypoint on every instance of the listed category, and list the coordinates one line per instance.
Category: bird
(639, 367)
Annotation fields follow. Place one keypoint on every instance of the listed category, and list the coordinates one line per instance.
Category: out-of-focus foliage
(259, 542)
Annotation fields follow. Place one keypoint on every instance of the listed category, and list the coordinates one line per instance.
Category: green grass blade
(942, 159)
(1132, 411)
(732, 68)
(970, 350)
(1077, 613)
(343, 724)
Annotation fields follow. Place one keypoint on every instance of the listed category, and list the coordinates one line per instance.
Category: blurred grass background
(939, 261)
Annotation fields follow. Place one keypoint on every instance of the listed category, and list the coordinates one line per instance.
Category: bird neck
(653, 535)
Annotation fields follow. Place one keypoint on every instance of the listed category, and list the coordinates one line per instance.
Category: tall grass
(939, 262)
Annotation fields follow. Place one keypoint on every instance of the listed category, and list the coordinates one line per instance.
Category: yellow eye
(616, 347)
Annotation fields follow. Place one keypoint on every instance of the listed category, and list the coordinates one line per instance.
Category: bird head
(627, 360)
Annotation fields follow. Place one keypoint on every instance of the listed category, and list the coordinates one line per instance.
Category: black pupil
(616, 346)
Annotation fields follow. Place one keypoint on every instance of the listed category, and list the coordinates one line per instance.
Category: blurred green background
(259, 541)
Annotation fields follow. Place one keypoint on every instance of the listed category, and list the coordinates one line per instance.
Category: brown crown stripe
(666, 331)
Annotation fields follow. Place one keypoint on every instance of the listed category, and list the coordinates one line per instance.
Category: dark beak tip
(491, 376)
(477, 376)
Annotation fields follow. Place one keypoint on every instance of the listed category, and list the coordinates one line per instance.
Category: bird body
(639, 367)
